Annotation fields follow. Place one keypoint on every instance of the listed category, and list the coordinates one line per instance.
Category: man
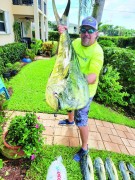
(90, 56)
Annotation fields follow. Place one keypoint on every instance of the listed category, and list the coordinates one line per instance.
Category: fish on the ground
(87, 168)
(100, 169)
(124, 171)
(111, 169)
(131, 169)
(67, 87)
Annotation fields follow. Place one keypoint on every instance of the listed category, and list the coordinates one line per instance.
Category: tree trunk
(98, 10)
(79, 15)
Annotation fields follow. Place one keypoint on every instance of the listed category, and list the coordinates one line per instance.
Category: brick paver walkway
(102, 135)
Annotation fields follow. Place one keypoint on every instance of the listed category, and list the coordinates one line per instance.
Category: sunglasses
(89, 31)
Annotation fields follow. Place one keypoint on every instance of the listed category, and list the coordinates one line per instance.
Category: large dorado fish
(87, 168)
(124, 171)
(100, 169)
(111, 169)
(67, 87)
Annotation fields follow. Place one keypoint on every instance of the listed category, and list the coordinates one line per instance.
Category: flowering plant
(26, 131)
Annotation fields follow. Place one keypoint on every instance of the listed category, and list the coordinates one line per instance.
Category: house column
(42, 22)
(36, 19)
(46, 22)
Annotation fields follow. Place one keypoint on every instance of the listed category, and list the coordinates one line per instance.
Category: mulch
(14, 169)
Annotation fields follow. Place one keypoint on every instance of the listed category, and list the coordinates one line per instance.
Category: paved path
(102, 135)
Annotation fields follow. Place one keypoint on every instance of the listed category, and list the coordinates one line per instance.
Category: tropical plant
(36, 46)
(26, 131)
(47, 46)
(30, 54)
(17, 31)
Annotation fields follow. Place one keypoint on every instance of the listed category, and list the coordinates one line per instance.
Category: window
(4, 22)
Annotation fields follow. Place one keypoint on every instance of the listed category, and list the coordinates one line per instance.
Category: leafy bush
(109, 91)
(55, 47)
(107, 43)
(3, 106)
(123, 60)
(54, 36)
(1, 66)
(120, 41)
(12, 52)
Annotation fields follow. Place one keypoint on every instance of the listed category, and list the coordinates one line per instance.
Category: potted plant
(7, 70)
(15, 68)
(25, 132)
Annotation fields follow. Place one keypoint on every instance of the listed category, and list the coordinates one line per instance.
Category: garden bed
(14, 169)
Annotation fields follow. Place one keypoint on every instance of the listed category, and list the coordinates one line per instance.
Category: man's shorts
(81, 115)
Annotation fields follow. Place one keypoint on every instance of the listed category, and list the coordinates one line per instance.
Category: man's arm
(95, 67)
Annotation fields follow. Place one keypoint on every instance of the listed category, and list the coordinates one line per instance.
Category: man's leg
(71, 116)
(84, 133)
(81, 120)
(69, 121)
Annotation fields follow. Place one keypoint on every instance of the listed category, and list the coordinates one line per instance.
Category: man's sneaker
(77, 157)
(66, 122)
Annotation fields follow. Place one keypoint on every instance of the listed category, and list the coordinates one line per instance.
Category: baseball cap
(90, 21)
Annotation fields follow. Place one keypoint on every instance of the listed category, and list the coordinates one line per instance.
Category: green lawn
(39, 167)
(29, 94)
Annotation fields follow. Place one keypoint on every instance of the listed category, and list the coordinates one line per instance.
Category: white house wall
(5, 38)
(17, 11)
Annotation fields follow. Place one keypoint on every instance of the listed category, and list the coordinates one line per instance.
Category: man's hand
(61, 29)
(91, 78)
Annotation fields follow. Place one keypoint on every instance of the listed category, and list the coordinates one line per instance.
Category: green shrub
(120, 41)
(1, 66)
(55, 47)
(107, 43)
(123, 60)
(109, 91)
(3, 106)
(54, 36)
(11, 53)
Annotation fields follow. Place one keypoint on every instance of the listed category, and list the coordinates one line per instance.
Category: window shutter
(7, 22)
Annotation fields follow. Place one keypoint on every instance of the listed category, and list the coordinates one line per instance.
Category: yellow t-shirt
(90, 60)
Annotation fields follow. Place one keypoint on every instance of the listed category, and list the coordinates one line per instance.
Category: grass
(39, 167)
(29, 94)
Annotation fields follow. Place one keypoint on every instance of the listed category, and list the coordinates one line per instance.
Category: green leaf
(1, 163)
